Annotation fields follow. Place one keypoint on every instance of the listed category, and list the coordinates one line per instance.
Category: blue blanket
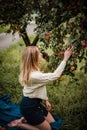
(8, 112)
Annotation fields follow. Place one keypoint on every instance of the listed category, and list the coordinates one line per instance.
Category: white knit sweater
(36, 87)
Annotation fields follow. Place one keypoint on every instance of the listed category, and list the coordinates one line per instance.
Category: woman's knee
(49, 118)
(44, 126)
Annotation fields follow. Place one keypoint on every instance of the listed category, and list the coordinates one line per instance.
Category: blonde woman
(34, 89)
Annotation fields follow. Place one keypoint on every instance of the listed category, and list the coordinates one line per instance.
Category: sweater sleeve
(43, 78)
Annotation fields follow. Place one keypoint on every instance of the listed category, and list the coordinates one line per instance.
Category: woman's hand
(48, 105)
(67, 53)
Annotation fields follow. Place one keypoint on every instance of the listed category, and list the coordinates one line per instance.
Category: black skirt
(33, 110)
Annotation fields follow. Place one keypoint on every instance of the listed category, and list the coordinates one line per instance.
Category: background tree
(18, 15)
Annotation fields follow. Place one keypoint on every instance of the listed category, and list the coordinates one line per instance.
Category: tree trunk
(34, 43)
(25, 37)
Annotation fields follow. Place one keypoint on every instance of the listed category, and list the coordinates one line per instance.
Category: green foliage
(61, 24)
(4, 28)
(20, 15)
(69, 101)
(9, 71)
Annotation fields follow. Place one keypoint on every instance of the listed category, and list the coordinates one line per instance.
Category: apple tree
(63, 23)
(17, 14)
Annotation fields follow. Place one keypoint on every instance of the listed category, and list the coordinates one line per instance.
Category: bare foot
(17, 122)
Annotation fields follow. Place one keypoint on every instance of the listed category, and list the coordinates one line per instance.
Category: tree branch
(35, 40)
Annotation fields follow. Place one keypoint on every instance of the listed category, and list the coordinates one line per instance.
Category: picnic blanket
(8, 112)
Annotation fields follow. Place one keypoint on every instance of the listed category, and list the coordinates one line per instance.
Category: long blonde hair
(29, 62)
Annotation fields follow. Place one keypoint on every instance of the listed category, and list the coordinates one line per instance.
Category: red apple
(68, 7)
(76, 53)
(84, 44)
(60, 54)
(47, 36)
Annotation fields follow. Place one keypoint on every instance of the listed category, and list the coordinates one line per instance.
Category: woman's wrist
(64, 60)
(46, 100)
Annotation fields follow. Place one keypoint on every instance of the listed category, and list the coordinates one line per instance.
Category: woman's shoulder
(35, 73)
(35, 76)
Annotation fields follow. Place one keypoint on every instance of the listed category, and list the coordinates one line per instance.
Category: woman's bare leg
(27, 126)
(44, 126)
(57, 124)
(50, 118)
(22, 123)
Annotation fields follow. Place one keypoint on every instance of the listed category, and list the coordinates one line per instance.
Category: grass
(67, 96)
(9, 68)
(4, 28)
(68, 100)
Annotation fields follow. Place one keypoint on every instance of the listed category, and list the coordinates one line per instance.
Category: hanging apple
(47, 36)
(60, 54)
(84, 44)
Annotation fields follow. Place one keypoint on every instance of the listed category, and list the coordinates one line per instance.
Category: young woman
(34, 89)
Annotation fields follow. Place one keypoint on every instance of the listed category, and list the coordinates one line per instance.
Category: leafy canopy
(63, 23)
